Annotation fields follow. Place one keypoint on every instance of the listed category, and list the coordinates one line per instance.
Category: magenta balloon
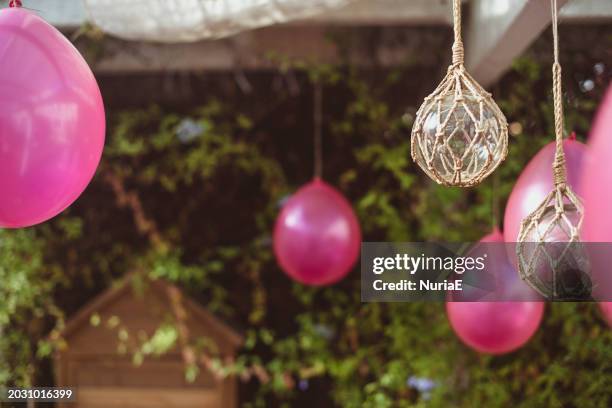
(51, 120)
(606, 309)
(495, 237)
(495, 327)
(536, 181)
(597, 177)
(597, 181)
(317, 235)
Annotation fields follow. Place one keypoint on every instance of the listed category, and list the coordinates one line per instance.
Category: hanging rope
(318, 133)
(559, 170)
(458, 52)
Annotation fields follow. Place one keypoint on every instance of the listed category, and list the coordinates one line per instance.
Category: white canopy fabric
(192, 20)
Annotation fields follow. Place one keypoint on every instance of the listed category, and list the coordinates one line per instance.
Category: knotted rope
(458, 52)
(559, 169)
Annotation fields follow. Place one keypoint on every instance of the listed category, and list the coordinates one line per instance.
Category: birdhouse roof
(163, 290)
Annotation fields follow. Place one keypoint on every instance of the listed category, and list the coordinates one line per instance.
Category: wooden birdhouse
(99, 365)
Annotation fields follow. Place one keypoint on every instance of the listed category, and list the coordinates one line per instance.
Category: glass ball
(557, 266)
(472, 144)
(551, 228)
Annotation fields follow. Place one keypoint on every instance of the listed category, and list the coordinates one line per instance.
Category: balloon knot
(572, 136)
(15, 3)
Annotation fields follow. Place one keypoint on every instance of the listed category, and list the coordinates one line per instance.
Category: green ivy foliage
(202, 213)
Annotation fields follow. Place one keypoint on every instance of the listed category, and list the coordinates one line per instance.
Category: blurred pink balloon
(597, 176)
(606, 309)
(494, 236)
(495, 327)
(597, 181)
(536, 181)
(51, 120)
(317, 235)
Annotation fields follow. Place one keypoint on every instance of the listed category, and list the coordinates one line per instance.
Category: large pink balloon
(51, 120)
(317, 235)
(536, 181)
(597, 181)
(597, 177)
(495, 327)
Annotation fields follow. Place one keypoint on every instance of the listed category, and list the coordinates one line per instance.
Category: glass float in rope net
(460, 135)
(551, 257)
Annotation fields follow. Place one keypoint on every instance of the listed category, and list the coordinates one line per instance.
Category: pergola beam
(262, 49)
(499, 31)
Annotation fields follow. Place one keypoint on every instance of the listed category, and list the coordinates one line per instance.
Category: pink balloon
(52, 120)
(536, 181)
(597, 181)
(606, 309)
(317, 235)
(494, 237)
(597, 177)
(495, 327)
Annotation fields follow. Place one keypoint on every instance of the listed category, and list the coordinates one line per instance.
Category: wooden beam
(265, 48)
(499, 31)
(246, 51)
